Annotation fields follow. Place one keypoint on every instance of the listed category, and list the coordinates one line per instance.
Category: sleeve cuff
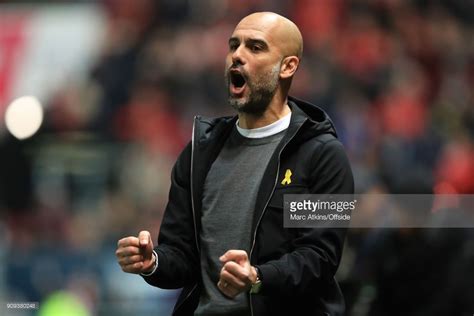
(270, 277)
(155, 266)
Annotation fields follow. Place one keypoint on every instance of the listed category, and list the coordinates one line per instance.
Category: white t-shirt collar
(265, 131)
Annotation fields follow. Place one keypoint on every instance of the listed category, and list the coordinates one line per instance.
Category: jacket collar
(212, 128)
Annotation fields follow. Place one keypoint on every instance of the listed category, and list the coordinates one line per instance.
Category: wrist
(257, 283)
(154, 265)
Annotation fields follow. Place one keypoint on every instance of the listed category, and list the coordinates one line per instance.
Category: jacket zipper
(192, 207)
(187, 296)
(266, 204)
(191, 185)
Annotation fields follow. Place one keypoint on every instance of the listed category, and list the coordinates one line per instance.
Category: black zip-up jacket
(297, 265)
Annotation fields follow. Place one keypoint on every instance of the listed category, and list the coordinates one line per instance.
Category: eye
(256, 48)
(233, 46)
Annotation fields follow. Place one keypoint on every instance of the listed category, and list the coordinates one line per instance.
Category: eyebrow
(258, 41)
(234, 40)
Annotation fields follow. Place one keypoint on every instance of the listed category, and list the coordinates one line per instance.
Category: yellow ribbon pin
(287, 179)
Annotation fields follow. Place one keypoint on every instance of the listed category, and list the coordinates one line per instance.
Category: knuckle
(225, 275)
(130, 250)
(124, 241)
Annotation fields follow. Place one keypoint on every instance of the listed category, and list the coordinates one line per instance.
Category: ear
(289, 66)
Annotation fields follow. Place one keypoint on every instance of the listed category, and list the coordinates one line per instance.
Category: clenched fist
(237, 275)
(135, 255)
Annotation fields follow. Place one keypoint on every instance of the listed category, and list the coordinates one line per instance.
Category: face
(252, 68)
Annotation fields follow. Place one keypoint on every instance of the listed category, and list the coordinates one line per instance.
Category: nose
(238, 56)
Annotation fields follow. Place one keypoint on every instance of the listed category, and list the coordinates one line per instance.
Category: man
(222, 237)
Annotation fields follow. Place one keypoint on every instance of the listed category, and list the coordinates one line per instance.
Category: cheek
(228, 61)
(259, 73)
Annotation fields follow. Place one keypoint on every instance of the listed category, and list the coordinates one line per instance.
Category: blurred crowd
(397, 77)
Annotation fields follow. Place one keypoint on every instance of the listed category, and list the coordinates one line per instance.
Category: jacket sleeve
(317, 251)
(178, 259)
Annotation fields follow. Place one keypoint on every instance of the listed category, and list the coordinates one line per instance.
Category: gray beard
(256, 103)
(262, 90)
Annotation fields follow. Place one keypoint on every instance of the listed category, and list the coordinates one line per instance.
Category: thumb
(144, 238)
(239, 256)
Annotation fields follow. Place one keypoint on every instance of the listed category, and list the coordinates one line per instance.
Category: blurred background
(113, 86)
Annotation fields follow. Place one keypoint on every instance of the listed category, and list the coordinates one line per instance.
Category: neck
(277, 109)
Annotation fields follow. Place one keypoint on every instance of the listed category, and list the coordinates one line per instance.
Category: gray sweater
(230, 192)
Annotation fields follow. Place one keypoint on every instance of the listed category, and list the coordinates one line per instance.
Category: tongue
(235, 90)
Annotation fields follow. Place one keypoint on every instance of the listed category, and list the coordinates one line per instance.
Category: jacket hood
(320, 122)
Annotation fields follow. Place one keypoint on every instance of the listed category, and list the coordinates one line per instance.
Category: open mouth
(237, 81)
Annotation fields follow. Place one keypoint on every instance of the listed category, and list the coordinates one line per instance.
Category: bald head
(264, 54)
(282, 32)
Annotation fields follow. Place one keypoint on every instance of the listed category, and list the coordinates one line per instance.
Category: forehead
(255, 29)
